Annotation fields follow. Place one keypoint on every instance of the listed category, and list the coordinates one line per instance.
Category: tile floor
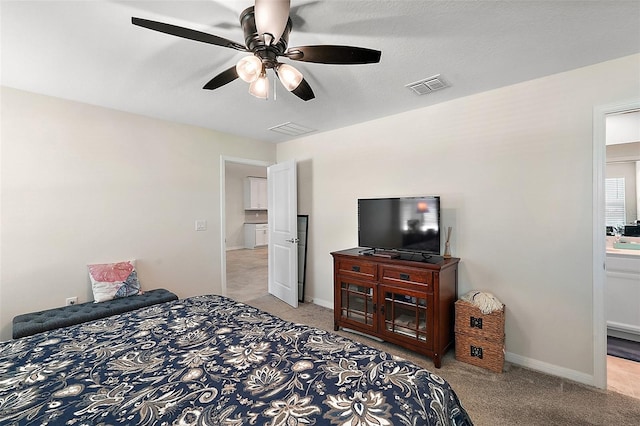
(247, 277)
(247, 280)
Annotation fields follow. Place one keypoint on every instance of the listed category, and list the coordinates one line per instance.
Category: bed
(209, 360)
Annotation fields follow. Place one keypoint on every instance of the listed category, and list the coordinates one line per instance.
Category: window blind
(614, 202)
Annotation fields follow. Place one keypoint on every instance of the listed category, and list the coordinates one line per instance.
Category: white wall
(82, 184)
(234, 209)
(514, 169)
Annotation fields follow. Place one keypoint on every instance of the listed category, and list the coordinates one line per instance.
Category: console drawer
(403, 275)
(357, 268)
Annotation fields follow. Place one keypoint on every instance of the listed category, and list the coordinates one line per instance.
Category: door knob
(292, 240)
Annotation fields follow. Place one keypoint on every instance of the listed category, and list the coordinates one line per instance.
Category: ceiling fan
(266, 28)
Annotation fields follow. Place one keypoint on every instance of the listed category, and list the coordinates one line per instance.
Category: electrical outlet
(72, 301)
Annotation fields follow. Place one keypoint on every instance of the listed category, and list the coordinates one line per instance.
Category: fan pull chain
(275, 85)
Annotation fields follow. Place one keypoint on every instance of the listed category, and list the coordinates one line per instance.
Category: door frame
(223, 217)
(599, 239)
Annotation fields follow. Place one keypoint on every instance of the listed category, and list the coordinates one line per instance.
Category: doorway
(622, 174)
(609, 372)
(244, 268)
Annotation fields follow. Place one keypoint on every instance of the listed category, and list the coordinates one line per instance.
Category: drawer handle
(355, 268)
(475, 323)
(404, 277)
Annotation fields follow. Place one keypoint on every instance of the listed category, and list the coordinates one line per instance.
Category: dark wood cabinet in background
(408, 300)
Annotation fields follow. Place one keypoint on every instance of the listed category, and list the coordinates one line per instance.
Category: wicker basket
(485, 353)
(471, 321)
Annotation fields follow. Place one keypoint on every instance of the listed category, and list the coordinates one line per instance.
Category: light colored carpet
(518, 396)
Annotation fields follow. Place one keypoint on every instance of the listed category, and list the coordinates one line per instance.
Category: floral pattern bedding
(209, 360)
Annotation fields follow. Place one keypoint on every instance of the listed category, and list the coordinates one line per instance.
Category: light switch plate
(201, 225)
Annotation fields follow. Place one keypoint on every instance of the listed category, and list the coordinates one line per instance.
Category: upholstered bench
(37, 322)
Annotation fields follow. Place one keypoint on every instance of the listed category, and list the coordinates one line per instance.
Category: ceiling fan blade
(187, 33)
(271, 17)
(221, 79)
(331, 54)
(304, 91)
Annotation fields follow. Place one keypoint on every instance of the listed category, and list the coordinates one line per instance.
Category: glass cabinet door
(407, 313)
(357, 303)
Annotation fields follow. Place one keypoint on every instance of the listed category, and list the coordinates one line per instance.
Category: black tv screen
(407, 223)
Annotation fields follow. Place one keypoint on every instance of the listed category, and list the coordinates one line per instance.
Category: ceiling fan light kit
(249, 68)
(266, 27)
(289, 76)
(260, 87)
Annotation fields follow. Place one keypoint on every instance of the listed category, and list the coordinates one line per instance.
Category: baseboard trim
(551, 369)
(323, 303)
(623, 335)
(520, 360)
(625, 328)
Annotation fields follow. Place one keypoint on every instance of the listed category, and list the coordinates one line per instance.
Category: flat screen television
(403, 224)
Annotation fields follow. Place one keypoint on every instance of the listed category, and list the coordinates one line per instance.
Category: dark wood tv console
(406, 300)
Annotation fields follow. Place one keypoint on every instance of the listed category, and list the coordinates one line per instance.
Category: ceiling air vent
(291, 129)
(428, 85)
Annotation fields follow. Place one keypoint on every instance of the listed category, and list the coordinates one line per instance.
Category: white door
(283, 231)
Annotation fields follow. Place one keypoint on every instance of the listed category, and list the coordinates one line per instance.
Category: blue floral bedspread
(209, 360)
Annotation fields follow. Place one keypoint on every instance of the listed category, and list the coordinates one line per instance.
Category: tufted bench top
(38, 322)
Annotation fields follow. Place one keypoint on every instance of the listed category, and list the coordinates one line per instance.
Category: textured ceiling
(89, 51)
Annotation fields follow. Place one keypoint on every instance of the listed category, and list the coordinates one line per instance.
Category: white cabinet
(623, 295)
(256, 235)
(255, 193)
(262, 235)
